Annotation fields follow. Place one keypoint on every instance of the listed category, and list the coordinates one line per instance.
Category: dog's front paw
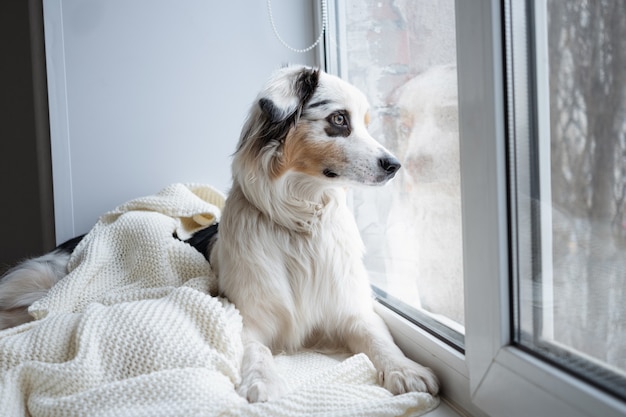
(409, 376)
(261, 388)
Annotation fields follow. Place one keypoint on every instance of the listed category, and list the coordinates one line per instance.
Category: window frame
(494, 377)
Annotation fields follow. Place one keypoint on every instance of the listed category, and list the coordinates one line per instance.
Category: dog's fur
(288, 253)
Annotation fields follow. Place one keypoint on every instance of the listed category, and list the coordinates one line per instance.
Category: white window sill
(445, 410)
(447, 363)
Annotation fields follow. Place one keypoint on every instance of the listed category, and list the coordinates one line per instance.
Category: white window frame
(494, 377)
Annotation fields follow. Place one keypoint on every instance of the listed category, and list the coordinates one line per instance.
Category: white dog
(288, 253)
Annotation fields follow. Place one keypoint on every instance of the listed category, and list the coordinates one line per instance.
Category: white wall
(144, 93)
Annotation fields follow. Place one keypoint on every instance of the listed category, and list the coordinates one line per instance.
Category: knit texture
(134, 331)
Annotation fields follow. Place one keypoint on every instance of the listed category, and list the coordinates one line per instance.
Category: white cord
(324, 21)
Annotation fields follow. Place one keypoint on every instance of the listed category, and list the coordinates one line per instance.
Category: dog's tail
(31, 280)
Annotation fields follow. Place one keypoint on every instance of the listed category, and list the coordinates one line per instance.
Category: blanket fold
(133, 330)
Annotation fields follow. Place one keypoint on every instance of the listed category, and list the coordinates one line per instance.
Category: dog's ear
(282, 102)
(280, 105)
(288, 92)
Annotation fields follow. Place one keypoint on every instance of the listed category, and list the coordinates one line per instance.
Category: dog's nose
(389, 164)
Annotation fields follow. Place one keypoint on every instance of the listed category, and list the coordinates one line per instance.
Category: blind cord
(285, 44)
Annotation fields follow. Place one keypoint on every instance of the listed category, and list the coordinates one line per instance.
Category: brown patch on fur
(367, 119)
(306, 156)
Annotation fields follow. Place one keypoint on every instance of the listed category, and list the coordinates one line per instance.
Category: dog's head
(308, 122)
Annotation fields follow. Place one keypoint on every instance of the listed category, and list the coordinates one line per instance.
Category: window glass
(402, 54)
(571, 200)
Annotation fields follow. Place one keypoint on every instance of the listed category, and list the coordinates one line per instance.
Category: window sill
(445, 410)
(447, 363)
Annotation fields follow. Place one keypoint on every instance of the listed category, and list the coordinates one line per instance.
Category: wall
(145, 93)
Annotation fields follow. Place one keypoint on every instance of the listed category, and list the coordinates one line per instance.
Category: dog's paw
(261, 389)
(409, 376)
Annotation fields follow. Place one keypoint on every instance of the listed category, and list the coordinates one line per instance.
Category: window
(404, 58)
(569, 174)
(541, 107)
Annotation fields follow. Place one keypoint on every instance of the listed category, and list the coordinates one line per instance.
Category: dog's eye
(338, 119)
(338, 124)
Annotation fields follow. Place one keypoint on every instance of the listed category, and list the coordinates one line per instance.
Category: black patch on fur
(274, 127)
(330, 174)
(276, 124)
(268, 108)
(204, 239)
(335, 129)
(319, 103)
(306, 86)
(70, 245)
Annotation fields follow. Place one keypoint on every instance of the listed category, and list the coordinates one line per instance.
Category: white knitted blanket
(134, 331)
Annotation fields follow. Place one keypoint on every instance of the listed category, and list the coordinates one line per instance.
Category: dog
(287, 251)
